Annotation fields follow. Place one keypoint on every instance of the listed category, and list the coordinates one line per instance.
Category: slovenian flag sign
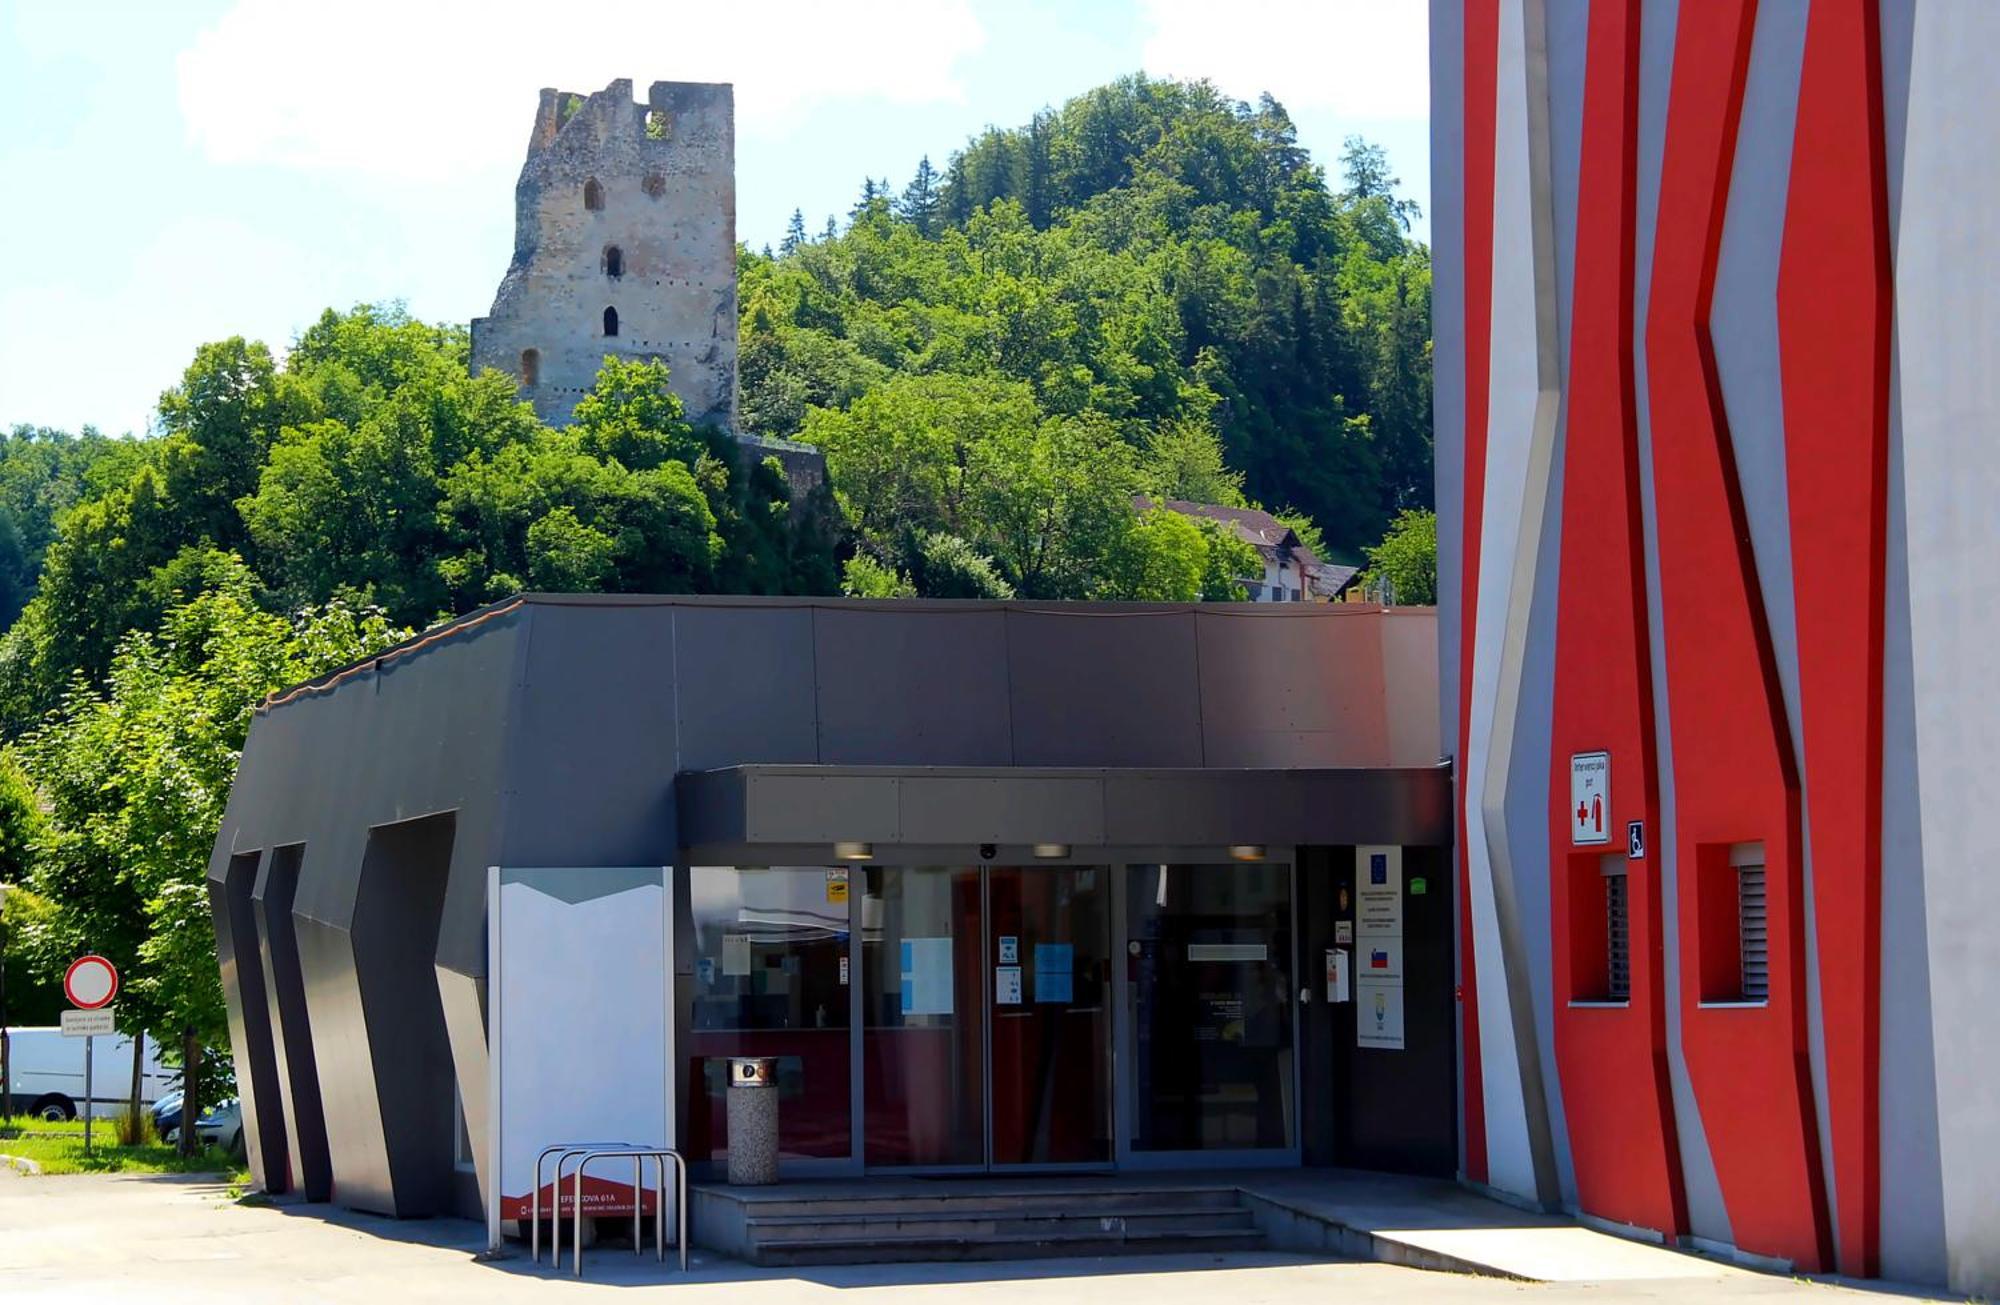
(1378, 959)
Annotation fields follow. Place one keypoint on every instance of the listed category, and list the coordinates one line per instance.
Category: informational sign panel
(580, 1029)
(1590, 798)
(1378, 947)
(98, 1023)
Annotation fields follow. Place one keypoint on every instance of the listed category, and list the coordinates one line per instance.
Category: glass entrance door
(986, 1029)
(1048, 937)
(1209, 1014)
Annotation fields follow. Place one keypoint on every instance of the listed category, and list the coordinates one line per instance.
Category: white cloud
(442, 89)
(1363, 59)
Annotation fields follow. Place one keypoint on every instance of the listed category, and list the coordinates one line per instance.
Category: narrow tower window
(610, 321)
(531, 366)
(1753, 934)
(614, 261)
(1617, 930)
(593, 195)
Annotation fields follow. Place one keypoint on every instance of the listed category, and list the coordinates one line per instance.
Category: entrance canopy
(806, 808)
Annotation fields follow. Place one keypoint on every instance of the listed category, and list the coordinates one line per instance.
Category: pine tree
(795, 233)
(832, 228)
(919, 204)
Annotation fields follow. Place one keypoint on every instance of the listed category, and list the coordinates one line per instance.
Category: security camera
(988, 851)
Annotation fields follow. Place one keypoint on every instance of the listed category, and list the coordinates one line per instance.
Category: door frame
(1125, 1050)
(858, 1031)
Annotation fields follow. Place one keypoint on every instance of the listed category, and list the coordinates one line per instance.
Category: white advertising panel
(1378, 947)
(579, 974)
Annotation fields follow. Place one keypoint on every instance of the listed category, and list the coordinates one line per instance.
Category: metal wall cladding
(551, 732)
(750, 672)
(1277, 690)
(922, 686)
(1112, 688)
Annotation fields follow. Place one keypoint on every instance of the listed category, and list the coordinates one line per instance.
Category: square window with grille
(1600, 929)
(1735, 935)
(1617, 931)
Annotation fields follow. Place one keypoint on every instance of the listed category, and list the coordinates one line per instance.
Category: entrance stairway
(801, 1224)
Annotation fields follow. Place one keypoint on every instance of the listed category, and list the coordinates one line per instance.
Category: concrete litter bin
(753, 1121)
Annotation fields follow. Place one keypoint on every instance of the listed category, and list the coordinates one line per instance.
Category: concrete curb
(23, 1164)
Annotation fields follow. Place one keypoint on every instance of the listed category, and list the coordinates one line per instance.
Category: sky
(185, 170)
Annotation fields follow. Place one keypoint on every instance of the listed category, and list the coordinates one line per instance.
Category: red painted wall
(1616, 1093)
(1833, 324)
(1735, 779)
(1482, 36)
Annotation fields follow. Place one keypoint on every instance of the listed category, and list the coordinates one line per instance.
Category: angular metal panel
(298, 1074)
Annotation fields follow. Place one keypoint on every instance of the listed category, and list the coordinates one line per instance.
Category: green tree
(920, 201)
(1403, 567)
(134, 776)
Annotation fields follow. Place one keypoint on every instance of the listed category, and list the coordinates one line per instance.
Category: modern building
(1000, 886)
(1717, 305)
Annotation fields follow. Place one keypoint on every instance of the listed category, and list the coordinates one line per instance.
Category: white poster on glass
(926, 976)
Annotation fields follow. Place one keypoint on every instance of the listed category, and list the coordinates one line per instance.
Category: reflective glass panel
(771, 979)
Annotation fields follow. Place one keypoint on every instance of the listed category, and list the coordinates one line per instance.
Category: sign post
(90, 983)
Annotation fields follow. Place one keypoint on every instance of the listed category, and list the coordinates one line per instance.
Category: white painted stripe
(1520, 433)
(1947, 261)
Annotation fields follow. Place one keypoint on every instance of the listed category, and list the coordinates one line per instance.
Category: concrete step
(843, 1225)
(1096, 1200)
(1014, 1246)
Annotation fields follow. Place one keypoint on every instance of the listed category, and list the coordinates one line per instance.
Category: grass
(58, 1149)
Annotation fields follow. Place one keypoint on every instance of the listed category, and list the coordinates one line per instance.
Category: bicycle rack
(585, 1152)
(555, 1196)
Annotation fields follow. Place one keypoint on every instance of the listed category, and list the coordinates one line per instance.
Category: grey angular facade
(624, 245)
(348, 880)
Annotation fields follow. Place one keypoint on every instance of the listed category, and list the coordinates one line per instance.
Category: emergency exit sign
(1589, 798)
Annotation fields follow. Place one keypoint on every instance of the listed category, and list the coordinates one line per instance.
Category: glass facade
(771, 979)
(973, 1008)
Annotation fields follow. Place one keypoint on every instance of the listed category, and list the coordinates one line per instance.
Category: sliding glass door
(986, 1029)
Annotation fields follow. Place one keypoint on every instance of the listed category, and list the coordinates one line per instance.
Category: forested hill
(1153, 255)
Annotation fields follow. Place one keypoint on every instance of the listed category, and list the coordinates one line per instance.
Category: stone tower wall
(666, 173)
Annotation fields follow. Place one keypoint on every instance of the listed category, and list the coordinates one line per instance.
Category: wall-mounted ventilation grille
(1618, 938)
(1753, 933)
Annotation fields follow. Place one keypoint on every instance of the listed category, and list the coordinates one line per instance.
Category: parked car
(167, 1114)
(221, 1126)
(47, 1074)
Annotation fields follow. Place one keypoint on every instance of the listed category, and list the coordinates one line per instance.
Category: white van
(47, 1074)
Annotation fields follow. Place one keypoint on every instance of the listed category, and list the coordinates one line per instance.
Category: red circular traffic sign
(90, 982)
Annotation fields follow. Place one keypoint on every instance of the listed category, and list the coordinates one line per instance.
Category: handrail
(659, 1156)
(555, 1196)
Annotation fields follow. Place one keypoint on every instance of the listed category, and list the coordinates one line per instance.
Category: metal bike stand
(660, 1156)
(555, 1196)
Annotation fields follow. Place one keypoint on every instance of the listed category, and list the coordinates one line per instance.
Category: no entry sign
(90, 982)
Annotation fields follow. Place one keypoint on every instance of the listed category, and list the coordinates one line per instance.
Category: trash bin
(753, 1120)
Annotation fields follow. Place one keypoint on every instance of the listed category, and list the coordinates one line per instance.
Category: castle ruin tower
(624, 244)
